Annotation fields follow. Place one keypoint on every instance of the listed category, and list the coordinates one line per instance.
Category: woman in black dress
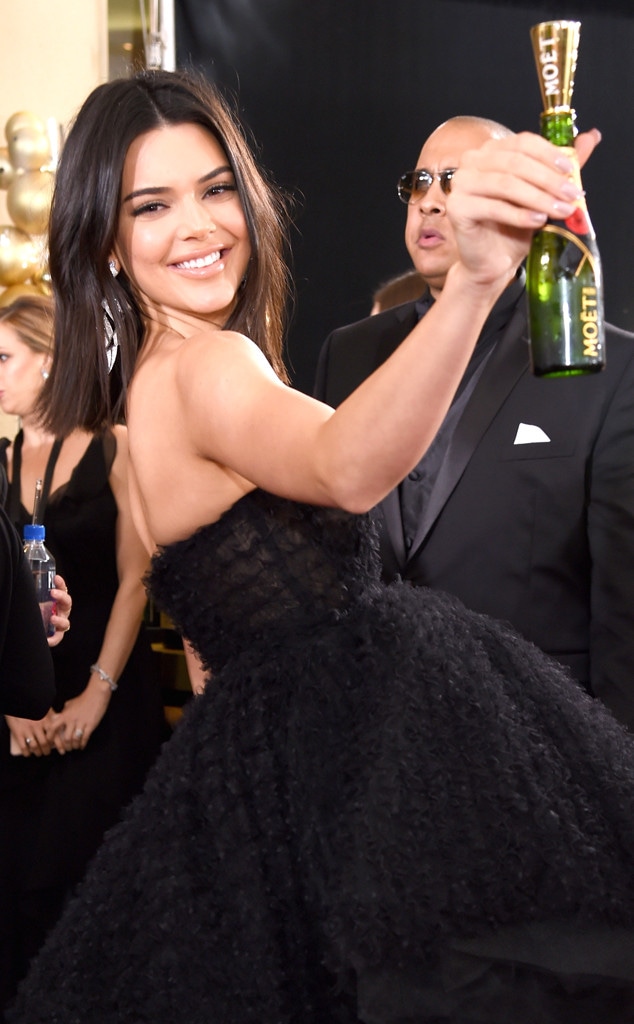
(107, 718)
(27, 685)
(27, 682)
(383, 807)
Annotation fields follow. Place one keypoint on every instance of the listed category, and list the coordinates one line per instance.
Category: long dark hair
(84, 215)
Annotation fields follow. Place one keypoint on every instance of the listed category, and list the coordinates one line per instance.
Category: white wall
(52, 54)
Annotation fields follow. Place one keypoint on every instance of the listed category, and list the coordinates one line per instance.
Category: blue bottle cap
(34, 531)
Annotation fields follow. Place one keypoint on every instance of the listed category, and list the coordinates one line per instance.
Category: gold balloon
(42, 278)
(29, 200)
(30, 148)
(23, 119)
(7, 171)
(19, 256)
(16, 291)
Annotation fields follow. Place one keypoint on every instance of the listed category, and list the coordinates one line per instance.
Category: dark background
(341, 94)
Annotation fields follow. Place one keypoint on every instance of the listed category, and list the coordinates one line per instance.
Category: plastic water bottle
(42, 566)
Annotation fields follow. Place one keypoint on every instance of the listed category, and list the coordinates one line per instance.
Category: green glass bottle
(563, 276)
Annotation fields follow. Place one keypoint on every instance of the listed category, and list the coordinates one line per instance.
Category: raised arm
(289, 444)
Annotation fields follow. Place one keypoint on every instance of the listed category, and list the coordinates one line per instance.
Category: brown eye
(221, 191)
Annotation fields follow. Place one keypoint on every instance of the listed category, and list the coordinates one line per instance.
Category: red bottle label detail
(577, 222)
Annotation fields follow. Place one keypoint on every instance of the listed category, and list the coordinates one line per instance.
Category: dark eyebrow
(159, 190)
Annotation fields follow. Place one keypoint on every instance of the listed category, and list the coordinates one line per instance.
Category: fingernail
(562, 210)
(538, 218)
(562, 163)
(570, 191)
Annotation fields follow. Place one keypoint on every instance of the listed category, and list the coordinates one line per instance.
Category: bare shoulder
(208, 358)
(120, 432)
(77, 442)
(119, 468)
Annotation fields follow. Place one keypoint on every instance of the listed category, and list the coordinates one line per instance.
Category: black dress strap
(15, 488)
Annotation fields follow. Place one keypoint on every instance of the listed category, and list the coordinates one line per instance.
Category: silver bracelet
(104, 675)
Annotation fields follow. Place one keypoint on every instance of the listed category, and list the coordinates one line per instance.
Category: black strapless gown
(384, 808)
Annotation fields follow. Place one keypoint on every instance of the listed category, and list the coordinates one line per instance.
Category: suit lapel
(393, 552)
(392, 541)
(504, 368)
(404, 321)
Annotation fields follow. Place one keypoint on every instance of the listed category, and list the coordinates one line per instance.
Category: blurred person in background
(85, 759)
(27, 686)
(395, 291)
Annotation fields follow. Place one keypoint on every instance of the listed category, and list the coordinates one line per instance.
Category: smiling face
(429, 236)
(21, 369)
(182, 237)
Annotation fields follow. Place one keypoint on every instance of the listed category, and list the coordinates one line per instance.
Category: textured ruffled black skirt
(384, 808)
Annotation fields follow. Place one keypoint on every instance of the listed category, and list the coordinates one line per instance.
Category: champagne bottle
(563, 275)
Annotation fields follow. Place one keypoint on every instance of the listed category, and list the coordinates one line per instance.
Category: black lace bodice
(267, 565)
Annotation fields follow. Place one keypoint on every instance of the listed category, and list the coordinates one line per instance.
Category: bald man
(523, 507)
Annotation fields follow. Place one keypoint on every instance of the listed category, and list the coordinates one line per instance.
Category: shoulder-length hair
(83, 226)
(31, 317)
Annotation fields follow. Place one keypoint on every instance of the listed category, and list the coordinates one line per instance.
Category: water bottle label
(48, 608)
(44, 580)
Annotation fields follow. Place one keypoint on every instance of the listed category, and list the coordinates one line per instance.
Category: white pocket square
(528, 433)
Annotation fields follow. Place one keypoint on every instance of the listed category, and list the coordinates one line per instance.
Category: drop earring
(110, 335)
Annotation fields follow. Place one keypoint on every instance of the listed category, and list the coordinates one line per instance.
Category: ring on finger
(78, 733)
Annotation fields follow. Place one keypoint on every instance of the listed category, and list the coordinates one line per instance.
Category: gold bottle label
(589, 317)
(555, 48)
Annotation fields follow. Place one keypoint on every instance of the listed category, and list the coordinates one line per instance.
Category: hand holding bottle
(585, 143)
(36, 738)
(502, 193)
(42, 566)
(60, 619)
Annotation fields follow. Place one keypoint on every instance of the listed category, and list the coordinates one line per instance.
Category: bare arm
(240, 416)
(82, 714)
(197, 675)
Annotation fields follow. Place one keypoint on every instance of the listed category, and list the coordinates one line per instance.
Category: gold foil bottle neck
(555, 46)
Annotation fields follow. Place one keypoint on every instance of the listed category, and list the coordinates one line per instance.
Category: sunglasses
(415, 184)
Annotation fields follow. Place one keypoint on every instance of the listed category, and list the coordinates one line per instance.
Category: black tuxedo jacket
(531, 519)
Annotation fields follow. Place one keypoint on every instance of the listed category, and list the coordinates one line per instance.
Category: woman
(107, 716)
(383, 807)
(27, 684)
